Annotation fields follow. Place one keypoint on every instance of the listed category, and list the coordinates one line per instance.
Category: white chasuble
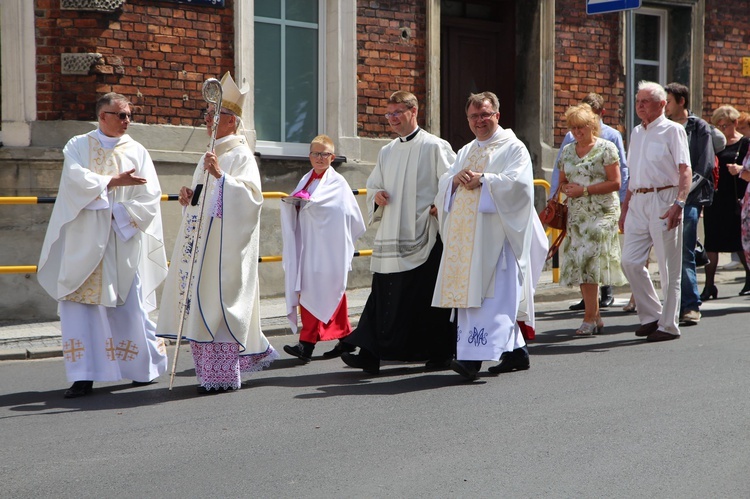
(103, 258)
(409, 172)
(220, 236)
(82, 258)
(319, 246)
(504, 212)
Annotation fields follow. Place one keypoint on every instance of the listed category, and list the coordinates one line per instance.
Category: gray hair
(657, 91)
(477, 100)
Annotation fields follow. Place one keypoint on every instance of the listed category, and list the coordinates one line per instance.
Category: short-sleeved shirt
(656, 153)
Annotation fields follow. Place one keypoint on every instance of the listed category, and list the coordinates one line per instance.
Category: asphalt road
(608, 416)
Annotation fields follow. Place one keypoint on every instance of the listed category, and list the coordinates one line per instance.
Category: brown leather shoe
(662, 336)
(648, 328)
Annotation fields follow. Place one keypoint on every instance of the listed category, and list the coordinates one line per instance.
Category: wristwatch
(585, 191)
(679, 203)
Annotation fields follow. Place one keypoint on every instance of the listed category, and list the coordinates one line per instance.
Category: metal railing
(31, 269)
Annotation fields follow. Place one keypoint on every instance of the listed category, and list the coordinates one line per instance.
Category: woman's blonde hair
(724, 113)
(583, 115)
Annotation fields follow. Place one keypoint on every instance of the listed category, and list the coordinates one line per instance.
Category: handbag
(555, 216)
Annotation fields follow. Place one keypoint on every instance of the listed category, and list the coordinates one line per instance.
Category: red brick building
(327, 66)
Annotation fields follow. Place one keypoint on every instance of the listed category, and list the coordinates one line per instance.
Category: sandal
(599, 326)
(630, 307)
(586, 329)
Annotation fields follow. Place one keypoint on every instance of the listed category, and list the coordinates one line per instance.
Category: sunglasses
(121, 116)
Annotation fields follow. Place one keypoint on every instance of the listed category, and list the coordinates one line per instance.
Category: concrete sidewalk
(42, 340)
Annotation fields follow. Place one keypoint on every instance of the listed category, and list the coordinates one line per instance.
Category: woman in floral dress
(590, 177)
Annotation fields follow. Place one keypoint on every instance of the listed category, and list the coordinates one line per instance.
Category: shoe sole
(354, 363)
(493, 370)
(306, 360)
(463, 372)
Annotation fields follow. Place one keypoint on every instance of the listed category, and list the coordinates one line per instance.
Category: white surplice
(407, 231)
(478, 228)
(103, 258)
(319, 246)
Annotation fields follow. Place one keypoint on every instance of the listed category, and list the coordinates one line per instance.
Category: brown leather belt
(644, 190)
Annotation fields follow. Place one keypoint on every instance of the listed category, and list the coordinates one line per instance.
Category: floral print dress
(591, 251)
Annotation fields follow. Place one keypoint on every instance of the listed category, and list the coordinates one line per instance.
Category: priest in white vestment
(217, 302)
(103, 255)
(398, 321)
(494, 244)
(320, 223)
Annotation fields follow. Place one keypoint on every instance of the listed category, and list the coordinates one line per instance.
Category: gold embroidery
(126, 350)
(90, 292)
(109, 348)
(458, 250)
(73, 350)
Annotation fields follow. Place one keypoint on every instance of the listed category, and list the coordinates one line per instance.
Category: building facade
(327, 66)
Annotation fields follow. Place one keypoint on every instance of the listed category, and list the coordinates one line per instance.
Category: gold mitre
(232, 98)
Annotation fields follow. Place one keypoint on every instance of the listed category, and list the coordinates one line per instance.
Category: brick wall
(157, 54)
(727, 42)
(587, 59)
(390, 57)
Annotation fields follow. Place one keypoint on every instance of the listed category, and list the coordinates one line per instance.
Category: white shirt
(656, 153)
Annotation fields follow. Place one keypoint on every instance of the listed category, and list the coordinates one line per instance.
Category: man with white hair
(221, 300)
(660, 177)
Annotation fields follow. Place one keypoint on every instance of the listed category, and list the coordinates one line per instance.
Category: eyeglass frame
(321, 155)
(482, 116)
(397, 113)
(121, 115)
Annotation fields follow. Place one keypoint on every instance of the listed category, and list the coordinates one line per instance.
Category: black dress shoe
(606, 301)
(79, 389)
(438, 364)
(578, 306)
(746, 289)
(302, 350)
(142, 383)
(370, 365)
(647, 329)
(662, 336)
(338, 350)
(467, 368)
(517, 360)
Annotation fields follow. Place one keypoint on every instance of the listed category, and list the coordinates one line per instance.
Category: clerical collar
(410, 136)
(106, 141)
(495, 135)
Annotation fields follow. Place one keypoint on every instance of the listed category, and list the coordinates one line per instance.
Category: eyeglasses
(321, 155)
(121, 116)
(395, 114)
(724, 126)
(483, 116)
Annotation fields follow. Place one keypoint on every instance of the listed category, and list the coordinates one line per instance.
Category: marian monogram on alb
(459, 244)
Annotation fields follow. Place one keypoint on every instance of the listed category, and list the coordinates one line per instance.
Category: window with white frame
(650, 50)
(288, 81)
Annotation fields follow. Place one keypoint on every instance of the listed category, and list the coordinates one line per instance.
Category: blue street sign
(603, 6)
